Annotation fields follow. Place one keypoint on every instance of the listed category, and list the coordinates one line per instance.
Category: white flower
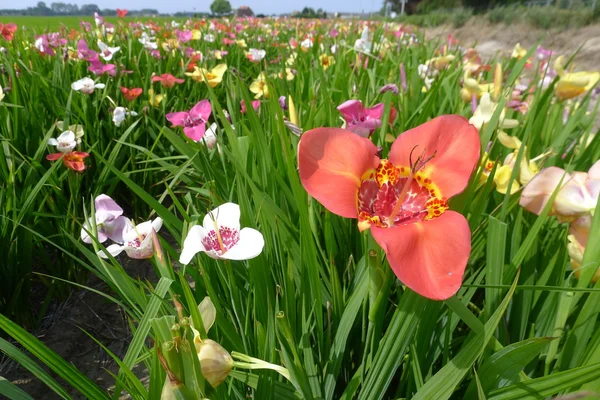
(363, 44)
(423, 70)
(175, 24)
(76, 129)
(334, 49)
(39, 44)
(137, 241)
(257, 54)
(209, 38)
(1, 93)
(65, 143)
(107, 52)
(147, 42)
(484, 112)
(306, 43)
(86, 85)
(220, 237)
(120, 113)
(210, 136)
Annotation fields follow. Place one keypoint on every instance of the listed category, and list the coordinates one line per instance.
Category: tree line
(62, 9)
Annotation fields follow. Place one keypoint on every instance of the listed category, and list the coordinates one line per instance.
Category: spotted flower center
(382, 189)
(222, 242)
(137, 242)
(190, 122)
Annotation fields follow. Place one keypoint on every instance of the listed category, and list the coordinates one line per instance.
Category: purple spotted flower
(220, 237)
(193, 121)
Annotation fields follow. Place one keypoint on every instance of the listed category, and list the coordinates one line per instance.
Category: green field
(39, 24)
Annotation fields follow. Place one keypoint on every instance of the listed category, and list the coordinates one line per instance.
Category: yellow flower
(527, 168)
(484, 112)
(292, 59)
(154, 99)
(218, 54)
(326, 61)
(1, 93)
(573, 84)
(259, 87)
(518, 52)
(288, 76)
(241, 43)
(442, 62)
(196, 34)
(212, 77)
(292, 111)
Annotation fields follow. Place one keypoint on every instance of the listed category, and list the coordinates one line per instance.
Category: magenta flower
(84, 52)
(193, 121)
(255, 105)
(183, 36)
(97, 68)
(360, 120)
(544, 54)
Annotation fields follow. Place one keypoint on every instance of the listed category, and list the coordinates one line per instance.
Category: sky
(258, 6)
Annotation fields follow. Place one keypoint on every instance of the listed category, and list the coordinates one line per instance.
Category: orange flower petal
(332, 162)
(429, 257)
(456, 146)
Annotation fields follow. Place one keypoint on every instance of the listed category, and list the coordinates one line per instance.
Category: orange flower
(403, 200)
(73, 160)
(131, 94)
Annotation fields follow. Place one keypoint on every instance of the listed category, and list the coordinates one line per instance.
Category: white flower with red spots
(137, 241)
(221, 238)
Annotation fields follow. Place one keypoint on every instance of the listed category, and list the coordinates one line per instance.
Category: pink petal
(429, 257)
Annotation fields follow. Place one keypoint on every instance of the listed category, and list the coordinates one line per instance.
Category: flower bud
(215, 361)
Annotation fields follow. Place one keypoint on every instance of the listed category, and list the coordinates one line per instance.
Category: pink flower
(360, 120)
(121, 13)
(167, 80)
(97, 68)
(577, 194)
(84, 52)
(193, 121)
(334, 33)
(183, 36)
(255, 105)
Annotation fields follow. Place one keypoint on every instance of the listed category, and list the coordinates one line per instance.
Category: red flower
(167, 80)
(131, 94)
(121, 13)
(73, 160)
(8, 31)
(404, 199)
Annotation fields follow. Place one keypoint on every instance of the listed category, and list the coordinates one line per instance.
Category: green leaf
(503, 367)
(552, 384)
(445, 381)
(12, 391)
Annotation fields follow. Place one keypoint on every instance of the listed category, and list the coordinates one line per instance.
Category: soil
(62, 331)
(500, 38)
(61, 328)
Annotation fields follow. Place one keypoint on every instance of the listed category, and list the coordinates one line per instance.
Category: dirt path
(490, 39)
(61, 330)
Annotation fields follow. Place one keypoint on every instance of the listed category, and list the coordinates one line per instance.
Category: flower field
(333, 209)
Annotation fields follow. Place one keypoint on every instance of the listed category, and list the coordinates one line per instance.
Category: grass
(319, 313)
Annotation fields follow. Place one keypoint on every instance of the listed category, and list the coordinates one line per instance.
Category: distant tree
(220, 7)
(89, 9)
(244, 11)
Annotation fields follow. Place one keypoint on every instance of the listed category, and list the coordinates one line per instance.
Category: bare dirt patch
(500, 38)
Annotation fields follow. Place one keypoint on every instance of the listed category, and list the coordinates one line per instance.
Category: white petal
(99, 85)
(192, 244)
(77, 86)
(67, 136)
(250, 245)
(113, 249)
(227, 214)
(53, 142)
(157, 224)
